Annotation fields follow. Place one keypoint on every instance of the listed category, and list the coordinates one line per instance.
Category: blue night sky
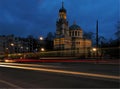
(38, 17)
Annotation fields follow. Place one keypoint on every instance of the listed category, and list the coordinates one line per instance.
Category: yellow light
(19, 54)
(6, 60)
(94, 49)
(42, 49)
(12, 44)
(41, 38)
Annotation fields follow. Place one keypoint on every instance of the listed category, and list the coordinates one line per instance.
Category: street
(43, 75)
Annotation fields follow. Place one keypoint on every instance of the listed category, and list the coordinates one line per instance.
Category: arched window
(75, 33)
(78, 33)
(72, 33)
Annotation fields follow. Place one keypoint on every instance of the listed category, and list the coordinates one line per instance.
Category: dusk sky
(38, 17)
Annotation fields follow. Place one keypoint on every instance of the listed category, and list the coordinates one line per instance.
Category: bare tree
(117, 33)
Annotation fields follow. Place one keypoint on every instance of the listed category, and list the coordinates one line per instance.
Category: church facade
(70, 38)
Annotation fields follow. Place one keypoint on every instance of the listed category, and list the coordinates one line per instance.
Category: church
(69, 39)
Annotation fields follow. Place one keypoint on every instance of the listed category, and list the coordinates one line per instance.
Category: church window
(78, 33)
(75, 33)
(70, 33)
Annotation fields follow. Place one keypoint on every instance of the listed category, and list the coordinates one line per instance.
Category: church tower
(62, 28)
(62, 31)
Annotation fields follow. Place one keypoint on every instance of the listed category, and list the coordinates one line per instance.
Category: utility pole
(97, 38)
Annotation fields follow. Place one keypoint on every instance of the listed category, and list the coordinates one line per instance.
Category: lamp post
(42, 49)
(21, 49)
(12, 45)
(6, 53)
(41, 38)
(97, 38)
(41, 42)
(27, 49)
(94, 50)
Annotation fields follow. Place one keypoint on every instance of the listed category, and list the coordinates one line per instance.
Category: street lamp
(42, 49)
(41, 38)
(94, 49)
(41, 42)
(21, 48)
(12, 44)
(6, 52)
(27, 49)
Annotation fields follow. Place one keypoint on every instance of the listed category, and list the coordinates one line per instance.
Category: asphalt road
(45, 76)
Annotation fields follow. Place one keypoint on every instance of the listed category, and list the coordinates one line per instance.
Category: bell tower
(62, 28)
(62, 12)
(62, 31)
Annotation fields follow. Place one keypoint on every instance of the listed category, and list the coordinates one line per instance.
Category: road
(43, 75)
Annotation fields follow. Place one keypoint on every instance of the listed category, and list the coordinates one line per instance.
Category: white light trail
(34, 65)
(64, 72)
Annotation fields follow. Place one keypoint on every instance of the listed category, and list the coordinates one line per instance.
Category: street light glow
(94, 49)
(12, 44)
(42, 49)
(41, 38)
(26, 47)
(21, 47)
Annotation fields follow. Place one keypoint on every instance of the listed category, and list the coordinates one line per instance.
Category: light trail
(35, 65)
(65, 72)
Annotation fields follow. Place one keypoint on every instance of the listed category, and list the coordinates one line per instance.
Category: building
(6, 44)
(70, 38)
(12, 44)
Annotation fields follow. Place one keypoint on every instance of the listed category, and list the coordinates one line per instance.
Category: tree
(50, 36)
(90, 35)
(102, 40)
(117, 33)
(49, 41)
(32, 43)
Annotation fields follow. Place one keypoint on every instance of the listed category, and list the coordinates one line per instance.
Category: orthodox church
(70, 38)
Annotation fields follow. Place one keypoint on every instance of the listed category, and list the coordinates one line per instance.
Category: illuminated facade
(70, 38)
(62, 40)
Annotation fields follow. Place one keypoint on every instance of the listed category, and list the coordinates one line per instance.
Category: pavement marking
(65, 72)
(10, 84)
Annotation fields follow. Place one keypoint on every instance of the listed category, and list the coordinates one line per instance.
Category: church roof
(75, 27)
(62, 9)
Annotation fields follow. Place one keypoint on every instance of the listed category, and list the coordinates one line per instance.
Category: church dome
(62, 10)
(75, 27)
